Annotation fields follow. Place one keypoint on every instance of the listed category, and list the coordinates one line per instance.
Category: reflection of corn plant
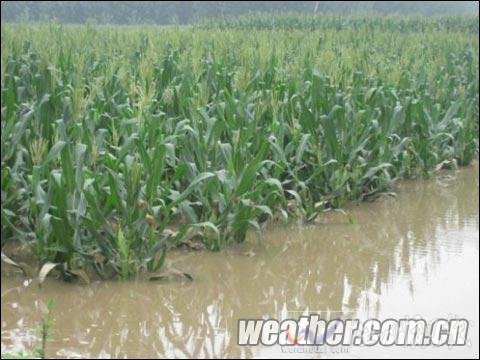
(112, 155)
(44, 332)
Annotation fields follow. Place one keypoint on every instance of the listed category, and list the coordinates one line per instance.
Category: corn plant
(118, 144)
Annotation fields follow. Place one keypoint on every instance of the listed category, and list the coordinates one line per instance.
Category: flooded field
(416, 254)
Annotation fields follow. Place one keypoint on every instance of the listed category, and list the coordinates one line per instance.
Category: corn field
(120, 143)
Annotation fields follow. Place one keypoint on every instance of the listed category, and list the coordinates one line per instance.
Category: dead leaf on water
(9, 261)
(46, 268)
(171, 274)
(26, 269)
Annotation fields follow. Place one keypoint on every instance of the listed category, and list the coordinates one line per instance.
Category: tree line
(185, 12)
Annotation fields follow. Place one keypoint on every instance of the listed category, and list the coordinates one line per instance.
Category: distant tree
(184, 12)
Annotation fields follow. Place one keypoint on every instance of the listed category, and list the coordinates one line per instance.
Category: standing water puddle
(417, 254)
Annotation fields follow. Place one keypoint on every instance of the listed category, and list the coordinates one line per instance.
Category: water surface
(416, 254)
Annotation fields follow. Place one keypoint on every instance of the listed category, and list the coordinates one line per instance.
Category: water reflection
(394, 246)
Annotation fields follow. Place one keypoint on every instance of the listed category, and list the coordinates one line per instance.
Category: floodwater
(416, 254)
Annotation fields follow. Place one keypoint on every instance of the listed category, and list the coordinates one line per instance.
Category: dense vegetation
(118, 143)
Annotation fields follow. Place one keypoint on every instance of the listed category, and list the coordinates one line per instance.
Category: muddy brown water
(417, 254)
